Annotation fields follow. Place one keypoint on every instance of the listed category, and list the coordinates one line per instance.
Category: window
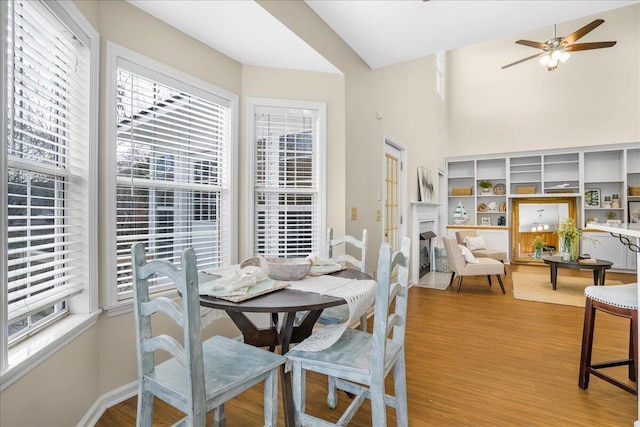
(288, 182)
(49, 182)
(173, 139)
(440, 73)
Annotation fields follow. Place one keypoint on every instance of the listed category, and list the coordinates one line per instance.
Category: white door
(394, 198)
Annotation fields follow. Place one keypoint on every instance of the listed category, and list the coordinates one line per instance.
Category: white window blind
(287, 181)
(47, 152)
(172, 173)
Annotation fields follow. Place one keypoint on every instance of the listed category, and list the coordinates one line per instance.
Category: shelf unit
(546, 173)
(611, 169)
(633, 179)
(604, 171)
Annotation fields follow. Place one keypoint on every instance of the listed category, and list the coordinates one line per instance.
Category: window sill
(31, 352)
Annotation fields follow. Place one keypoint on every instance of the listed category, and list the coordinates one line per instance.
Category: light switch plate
(354, 213)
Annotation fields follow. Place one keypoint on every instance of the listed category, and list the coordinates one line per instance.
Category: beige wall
(587, 101)
(591, 99)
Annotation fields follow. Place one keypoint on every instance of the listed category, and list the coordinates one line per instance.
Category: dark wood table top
(284, 300)
(557, 259)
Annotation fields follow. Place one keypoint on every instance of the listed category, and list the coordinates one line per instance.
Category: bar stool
(619, 300)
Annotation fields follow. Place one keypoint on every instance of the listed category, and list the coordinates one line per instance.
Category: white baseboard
(106, 401)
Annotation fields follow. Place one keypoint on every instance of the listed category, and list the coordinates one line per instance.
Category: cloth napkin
(240, 279)
(316, 260)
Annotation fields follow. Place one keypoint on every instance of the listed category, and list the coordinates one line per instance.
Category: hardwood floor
(476, 358)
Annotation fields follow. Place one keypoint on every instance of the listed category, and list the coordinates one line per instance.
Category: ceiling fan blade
(573, 37)
(536, 45)
(525, 59)
(588, 46)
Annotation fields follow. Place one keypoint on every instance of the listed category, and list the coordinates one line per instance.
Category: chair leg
(271, 399)
(145, 408)
(501, 284)
(219, 418)
(587, 344)
(363, 322)
(400, 388)
(459, 283)
(634, 356)
(453, 274)
(489, 279)
(378, 407)
(299, 392)
(332, 395)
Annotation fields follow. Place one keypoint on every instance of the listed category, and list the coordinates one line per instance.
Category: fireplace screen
(425, 252)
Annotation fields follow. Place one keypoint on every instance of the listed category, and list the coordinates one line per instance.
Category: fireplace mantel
(422, 212)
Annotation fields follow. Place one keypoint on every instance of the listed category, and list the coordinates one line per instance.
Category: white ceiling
(381, 32)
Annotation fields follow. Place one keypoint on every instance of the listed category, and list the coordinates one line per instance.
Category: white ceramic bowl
(281, 268)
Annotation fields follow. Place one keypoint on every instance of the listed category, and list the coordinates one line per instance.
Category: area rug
(537, 287)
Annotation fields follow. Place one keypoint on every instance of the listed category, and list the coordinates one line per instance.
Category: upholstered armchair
(476, 245)
(465, 264)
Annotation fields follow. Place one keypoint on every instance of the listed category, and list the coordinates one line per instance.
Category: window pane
(286, 195)
(173, 189)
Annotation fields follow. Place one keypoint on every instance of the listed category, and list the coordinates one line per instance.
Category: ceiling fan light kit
(556, 50)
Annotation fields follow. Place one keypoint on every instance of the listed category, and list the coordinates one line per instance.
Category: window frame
(321, 109)
(114, 54)
(83, 307)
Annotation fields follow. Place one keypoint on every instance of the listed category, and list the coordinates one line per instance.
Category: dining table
(280, 334)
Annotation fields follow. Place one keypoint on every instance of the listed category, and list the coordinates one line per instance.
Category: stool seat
(623, 296)
(619, 300)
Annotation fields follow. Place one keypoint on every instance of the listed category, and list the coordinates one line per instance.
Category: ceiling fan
(557, 49)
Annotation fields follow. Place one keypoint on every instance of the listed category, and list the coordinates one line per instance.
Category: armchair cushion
(475, 242)
(468, 256)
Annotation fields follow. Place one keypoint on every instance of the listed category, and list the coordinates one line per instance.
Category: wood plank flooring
(476, 358)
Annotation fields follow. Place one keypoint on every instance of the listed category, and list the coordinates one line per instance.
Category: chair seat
(485, 267)
(623, 296)
(350, 355)
(229, 365)
(490, 253)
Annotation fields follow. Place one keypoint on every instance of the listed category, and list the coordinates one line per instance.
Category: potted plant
(485, 184)
(569, 238)
(537, 245)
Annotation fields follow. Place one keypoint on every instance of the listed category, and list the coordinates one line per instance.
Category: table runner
(359, 295)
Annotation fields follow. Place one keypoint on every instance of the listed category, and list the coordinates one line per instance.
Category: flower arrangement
(569, 236)
(537, 243)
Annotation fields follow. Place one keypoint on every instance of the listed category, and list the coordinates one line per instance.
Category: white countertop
(625, 229)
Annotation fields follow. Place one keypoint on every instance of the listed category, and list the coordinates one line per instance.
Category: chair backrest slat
(347, 258)
(386, 293)
(165, 305)
(166, 343)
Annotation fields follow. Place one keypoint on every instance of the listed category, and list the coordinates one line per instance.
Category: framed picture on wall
(634, 212)
(592, 198)
(425, 183)
(485, 220)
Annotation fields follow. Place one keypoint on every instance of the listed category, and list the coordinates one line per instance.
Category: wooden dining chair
(201, 376)
(359, 362)
(339, 314)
